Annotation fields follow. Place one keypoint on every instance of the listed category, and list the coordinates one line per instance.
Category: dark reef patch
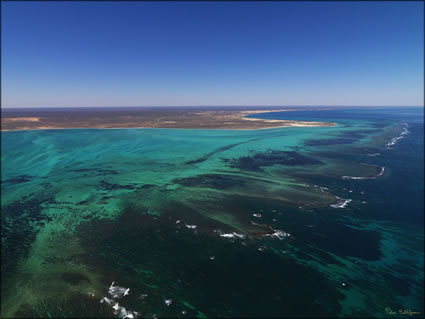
(153, 253)
(88, 307)
(270, 158)
(144, 186)
(346, 241)
(398, 282)
(18, 179)
(104, 185)
(19, 221)
(219, 150)
(330, 141)
(74, 278)
(217, 181)
(359, 134)
(343, 138)
(381, 124)
(98, 171)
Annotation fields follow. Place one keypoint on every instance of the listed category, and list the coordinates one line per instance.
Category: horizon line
(235, 105)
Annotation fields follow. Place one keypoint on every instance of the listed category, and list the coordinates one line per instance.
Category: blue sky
(212, 53)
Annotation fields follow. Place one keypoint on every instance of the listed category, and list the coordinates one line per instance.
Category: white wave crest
(395, 139)
(232, 235)
(342, 203)
(117, 291)
(365, 177)
(278, 234)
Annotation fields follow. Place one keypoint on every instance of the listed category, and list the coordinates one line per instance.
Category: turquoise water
(323, 221)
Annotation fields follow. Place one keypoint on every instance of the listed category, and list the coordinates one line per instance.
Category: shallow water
(324, 221)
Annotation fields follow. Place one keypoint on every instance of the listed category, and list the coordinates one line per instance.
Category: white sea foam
(232, 235)
(124, 313)
(341, 203)
(191, 226)
(365, 177)
(117, 291)
(322, 189)
(256, 215)
(278, 234)
(118, 310)
(107, 300)
(395, 139)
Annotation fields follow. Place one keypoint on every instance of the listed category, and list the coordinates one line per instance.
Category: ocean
(283, 222)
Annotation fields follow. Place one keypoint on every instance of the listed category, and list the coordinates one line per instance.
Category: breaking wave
(232, 235)
(280, 234)
(366, 177)
(119, 292)
(395, 139)
(342, 203)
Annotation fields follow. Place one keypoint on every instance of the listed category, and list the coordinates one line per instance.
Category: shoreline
(160, 128)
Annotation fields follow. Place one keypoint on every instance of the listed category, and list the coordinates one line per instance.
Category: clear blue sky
(214, 53)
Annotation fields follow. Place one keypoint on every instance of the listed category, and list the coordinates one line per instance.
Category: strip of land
(188, 118)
